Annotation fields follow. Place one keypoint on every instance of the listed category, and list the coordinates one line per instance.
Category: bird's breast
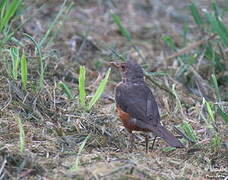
(128, 122)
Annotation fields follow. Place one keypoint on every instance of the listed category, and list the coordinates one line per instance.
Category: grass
(15, 57)
(125, 33)
(8, 10)
(215, 140)
(75, 167)
(82, 92)
(21, 134)
(98, 93)
(188, 131)
(66, 90)
(57, 117)
(52, 25)
(24, 71)
(82, 89)
(99, 90)
(196, 14)
(41, 59)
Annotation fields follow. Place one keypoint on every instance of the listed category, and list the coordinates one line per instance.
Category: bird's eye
(123, 68)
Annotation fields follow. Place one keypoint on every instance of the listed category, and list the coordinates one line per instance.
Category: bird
(136, 105)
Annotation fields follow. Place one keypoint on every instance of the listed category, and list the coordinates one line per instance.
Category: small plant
(63, 8)
(7, 11)
(41, 59)
(99, 91)
(75, 167)
(21, 134)
(15, 57)
(178, 105)
(195, 14)
(48, 37)
(188, 131)
(223, 114)
(24, 71)
(213, 21)
(215, 139)
(168, 149)
(18, 62)
(82, 92)
(66, 90)
(121, 27)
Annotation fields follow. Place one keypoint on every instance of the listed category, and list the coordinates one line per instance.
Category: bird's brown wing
(138, 101)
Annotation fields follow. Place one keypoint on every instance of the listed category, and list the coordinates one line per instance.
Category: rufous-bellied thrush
(136, 105)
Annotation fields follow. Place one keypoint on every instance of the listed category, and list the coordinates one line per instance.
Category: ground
(55, 127)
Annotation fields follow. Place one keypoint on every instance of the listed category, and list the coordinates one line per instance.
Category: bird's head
(130, 70)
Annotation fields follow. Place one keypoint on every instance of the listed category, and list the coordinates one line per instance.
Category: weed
(99, 90)
(24, 71)
(75, 167)
(21, 134)
(15, 57)
(8, 10)
(66, 90)
(82, 92)
(215, 140)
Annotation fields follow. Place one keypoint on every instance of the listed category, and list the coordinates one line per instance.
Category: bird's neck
(132, 80)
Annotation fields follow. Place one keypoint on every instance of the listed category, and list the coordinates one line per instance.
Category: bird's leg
(147, 140)
(131, 141)
(154, 142)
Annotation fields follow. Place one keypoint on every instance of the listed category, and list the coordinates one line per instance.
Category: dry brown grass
(55, 127)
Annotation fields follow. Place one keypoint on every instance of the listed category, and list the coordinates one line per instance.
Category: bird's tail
(162, 132)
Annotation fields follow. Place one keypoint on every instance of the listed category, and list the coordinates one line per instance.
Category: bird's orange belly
(125, 118)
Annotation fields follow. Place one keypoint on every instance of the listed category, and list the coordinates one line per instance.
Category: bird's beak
(115, 64)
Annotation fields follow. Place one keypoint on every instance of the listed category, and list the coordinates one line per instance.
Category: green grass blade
(178, 104)
(195, 14)
(218, 95)
(188, 130)
(119, 56)
(21, 134)
(219, 28)
(15, 57)
(168, 149)
(24, 71)
(121, 27)
(55, 34)
(99, 90)
(66, 90)
(2, 3)
(210, 112)
(82, 92)
(41, 73)
(223, 114)
(126, 34)
(44, 39)
(7, 12)
(169, 41)
(75, 167)
(2, 15)
(210, 120)
(216, 9)
(215, 142)
(3, 7)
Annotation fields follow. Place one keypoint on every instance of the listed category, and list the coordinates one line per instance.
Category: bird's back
(138, 101)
